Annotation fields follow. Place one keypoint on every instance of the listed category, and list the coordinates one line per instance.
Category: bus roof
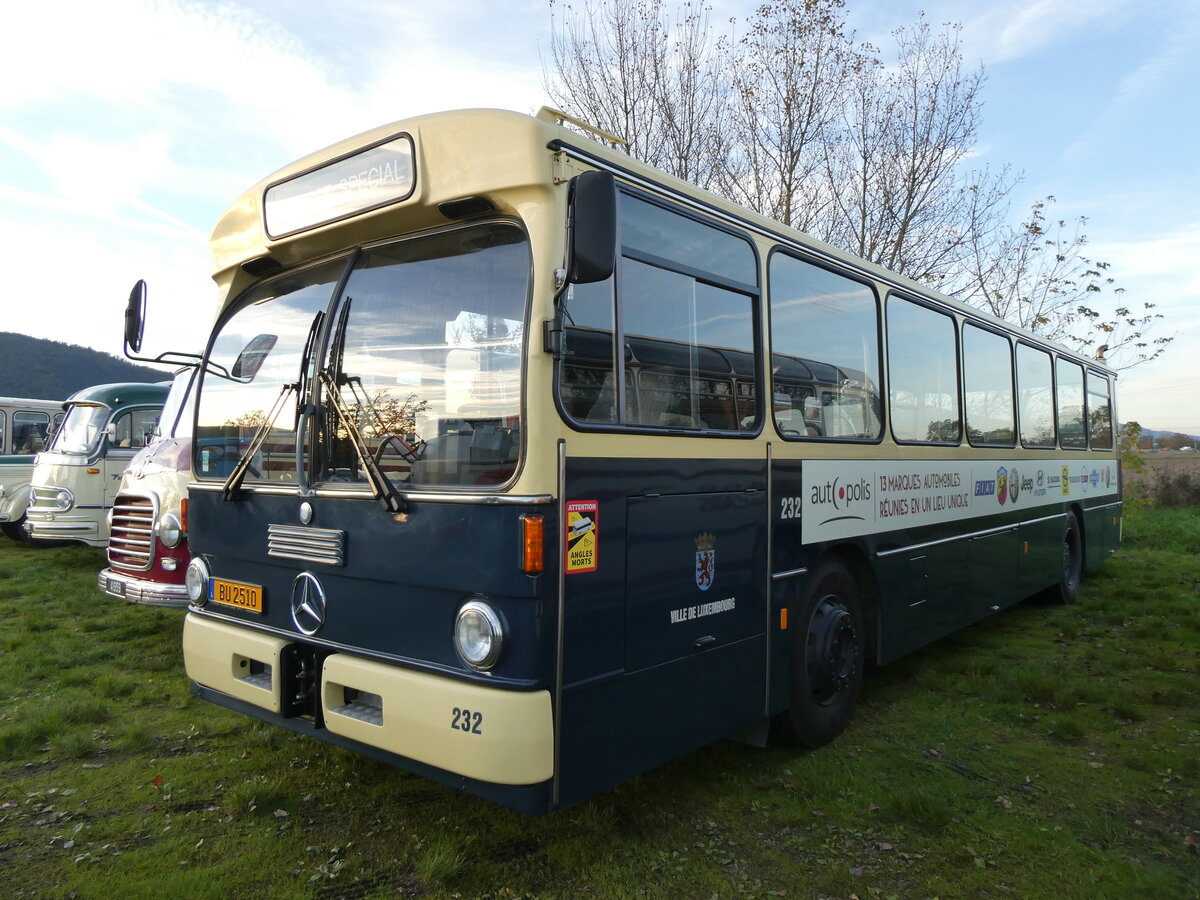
(120, 394)
(30, 403)
(518, 146)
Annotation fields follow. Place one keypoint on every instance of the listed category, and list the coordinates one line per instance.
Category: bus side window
(1072, 430)
(1099, 412)
(825, 351)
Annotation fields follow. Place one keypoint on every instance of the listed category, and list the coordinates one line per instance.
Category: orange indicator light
(532, 555)
(183, 515)
(783, 619)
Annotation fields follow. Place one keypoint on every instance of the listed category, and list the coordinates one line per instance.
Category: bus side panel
(664, 645)
(620, 727)
(1101, 530)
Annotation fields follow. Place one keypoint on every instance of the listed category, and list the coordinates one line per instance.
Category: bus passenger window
(1099, 411)
(825, 352)
(686, 315)
(988, 377)
(923, 370)
(1035, 397)
(1072, 432)
(587, 383)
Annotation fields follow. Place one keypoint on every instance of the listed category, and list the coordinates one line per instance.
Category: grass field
(1049, 752)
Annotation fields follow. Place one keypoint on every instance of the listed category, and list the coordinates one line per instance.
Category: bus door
(694, 574)
(664, 612)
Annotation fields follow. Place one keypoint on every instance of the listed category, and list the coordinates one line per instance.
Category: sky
(127, 127)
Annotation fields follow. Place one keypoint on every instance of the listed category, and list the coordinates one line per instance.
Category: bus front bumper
(494, 735)
(141, 590)
(44, 526)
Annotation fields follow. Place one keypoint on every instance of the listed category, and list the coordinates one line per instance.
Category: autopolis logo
(846, 497)
(308, 603)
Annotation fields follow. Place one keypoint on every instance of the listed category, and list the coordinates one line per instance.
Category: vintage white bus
(75, 479)
(527, 467)
(26, 427)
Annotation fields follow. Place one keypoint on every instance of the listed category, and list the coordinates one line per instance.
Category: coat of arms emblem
(706, 561)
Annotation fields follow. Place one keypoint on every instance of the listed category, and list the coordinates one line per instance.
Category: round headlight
(64, 500)
(196, 580)
(170, 530)
(478, 635)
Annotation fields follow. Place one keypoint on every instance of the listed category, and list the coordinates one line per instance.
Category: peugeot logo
(308, 603)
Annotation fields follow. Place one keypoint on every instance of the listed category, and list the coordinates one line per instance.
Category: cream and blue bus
(526, 467)
(26, 427)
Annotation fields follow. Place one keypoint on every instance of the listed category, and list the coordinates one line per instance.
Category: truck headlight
(478, 635)
(196, 579)
(169, 529)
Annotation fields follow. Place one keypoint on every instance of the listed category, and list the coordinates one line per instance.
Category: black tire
(15, 531)
(1071, 575)
(827, 658)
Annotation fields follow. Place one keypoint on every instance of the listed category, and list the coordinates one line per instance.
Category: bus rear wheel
(1072, 560)
(827, 658)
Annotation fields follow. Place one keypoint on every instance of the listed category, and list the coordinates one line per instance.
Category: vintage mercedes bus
(527, 467)
(147, 524)
(75, 480)
(26, 427)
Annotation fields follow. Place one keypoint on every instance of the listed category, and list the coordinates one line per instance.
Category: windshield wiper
(300, 387)
(238, 475)
(332, 379)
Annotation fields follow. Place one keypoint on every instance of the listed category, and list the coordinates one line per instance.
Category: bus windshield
(420, 372)
(81, 430)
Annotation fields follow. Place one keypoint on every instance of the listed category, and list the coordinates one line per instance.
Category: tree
(789, 76)
(626, 67)
(1039, 276)
(901, 197)
(798, 122)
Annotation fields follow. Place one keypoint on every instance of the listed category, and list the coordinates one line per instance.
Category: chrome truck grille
(131, 539)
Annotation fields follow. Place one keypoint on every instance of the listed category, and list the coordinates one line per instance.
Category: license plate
(116, 587)
(232, 593)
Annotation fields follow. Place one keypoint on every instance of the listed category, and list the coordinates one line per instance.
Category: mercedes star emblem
(308, 603)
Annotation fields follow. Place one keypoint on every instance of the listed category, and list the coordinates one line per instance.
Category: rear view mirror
(135, 317)
(253, 355)
(593, 227)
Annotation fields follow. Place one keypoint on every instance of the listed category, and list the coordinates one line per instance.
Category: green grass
(1047, 752)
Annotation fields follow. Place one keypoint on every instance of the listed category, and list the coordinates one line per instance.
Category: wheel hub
(832, 649)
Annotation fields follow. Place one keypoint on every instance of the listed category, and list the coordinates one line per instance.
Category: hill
(52, 370)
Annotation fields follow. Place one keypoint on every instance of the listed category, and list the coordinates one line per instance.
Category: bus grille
(131, 538)
(318, 545)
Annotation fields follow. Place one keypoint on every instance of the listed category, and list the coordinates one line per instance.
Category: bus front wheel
(16, 531)
(827, 658)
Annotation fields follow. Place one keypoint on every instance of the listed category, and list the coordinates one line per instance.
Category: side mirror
(593, 227)
(253, 355)
(135, 318)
